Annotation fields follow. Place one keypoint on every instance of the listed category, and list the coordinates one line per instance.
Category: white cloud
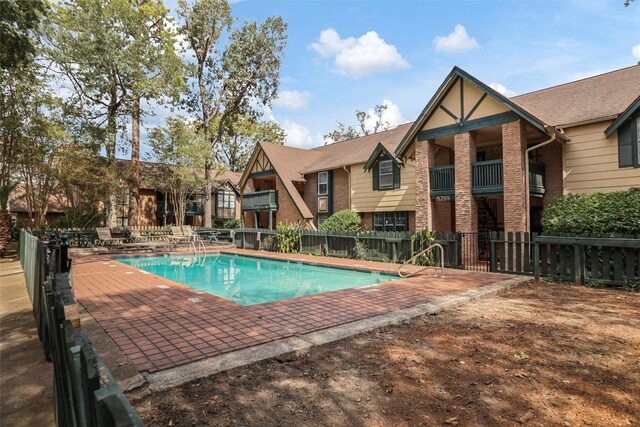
(298, 135)
(368, 54)
(391, 115)
(292, 99)
(635, 51)
(457, 41)
(502, 89)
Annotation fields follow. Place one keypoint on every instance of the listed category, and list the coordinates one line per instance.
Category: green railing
(192, 209)
(487, 177)
(85, 392)
(260, 200)
(442, 180)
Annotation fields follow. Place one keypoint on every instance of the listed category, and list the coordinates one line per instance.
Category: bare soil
(539, 354)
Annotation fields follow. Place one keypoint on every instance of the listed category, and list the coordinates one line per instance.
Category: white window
(323, 183)
(385, 174)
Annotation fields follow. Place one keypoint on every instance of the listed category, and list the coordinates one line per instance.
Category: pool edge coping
(173, 377)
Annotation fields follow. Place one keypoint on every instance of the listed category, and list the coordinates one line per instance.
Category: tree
(180, 149)
(154, 72)
(19, 23)
(239, 143)
(343, 132)
(228, 81)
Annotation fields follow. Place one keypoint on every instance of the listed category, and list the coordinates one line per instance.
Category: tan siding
(365, 199)
(591, 162)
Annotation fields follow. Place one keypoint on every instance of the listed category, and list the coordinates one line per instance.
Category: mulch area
(537, 354)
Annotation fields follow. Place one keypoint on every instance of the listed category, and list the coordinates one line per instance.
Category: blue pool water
(249, 280)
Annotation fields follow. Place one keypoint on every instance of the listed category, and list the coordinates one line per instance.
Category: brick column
(465, 203)
(514, 146)
(425, 158)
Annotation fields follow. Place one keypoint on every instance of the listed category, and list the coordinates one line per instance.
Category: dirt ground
(545, 354)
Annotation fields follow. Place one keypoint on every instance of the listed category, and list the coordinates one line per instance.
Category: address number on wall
(444, 198)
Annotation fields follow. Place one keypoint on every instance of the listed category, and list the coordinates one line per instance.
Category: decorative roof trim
(456, 74)
(631, 109)
(380, 149)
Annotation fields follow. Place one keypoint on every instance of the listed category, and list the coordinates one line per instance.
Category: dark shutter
(215, 204)
(376, 175)
(329, 193)
(625, 144)
(396, 175)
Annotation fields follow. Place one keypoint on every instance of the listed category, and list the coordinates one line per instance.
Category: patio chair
(136, 237)
(177, 235)
(188, 231)
(105, 239)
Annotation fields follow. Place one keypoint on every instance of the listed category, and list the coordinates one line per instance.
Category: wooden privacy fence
(370, 245)
(85, 392)
(613, 261)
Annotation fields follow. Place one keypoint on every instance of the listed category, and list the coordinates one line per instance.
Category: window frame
(324, 174)
(629, 138)
(226, 204)
(385, 162)
(390, 221)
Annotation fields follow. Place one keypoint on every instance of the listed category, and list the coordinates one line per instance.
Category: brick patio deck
(160, 327)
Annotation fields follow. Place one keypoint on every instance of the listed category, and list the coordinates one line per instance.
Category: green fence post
(493, 265)
(580, 272)
(536, 257)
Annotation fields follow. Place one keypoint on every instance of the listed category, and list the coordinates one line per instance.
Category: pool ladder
(435, 273)
(198, 247)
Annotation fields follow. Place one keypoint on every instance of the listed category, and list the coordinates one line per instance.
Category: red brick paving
(161, 328)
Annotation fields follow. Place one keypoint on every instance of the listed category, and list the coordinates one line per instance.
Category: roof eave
(631, 109)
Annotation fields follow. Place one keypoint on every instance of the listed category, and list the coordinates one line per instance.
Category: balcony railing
(260, 200)
(442, 180)
(488, 179)
(192, 209)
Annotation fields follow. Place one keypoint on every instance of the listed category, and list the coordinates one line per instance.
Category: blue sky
(348, 55)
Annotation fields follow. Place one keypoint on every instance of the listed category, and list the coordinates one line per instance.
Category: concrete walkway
(26, 389)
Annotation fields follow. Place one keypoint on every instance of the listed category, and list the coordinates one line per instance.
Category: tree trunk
(207, 193)
(134, 183)
(111, 155)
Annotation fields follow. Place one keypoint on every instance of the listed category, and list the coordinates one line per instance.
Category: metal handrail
(435, 245)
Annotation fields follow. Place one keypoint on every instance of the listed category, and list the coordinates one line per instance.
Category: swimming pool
(250, 280)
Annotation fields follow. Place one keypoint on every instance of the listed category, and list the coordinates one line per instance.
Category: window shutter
(330, 192)
(625, 145)
(396, 175)
(376, 176)
(215, 204)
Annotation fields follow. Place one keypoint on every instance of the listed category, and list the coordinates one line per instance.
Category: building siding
(590, 162)
(365, 199)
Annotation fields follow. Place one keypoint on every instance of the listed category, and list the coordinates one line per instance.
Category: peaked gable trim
(247, 169)
(380, 149)
(631, 109)
(454, 76)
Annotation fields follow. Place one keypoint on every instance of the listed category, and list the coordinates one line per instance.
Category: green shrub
(345, 221)
(288, 237)
(420, 241)
(81, 217)
(598, 213)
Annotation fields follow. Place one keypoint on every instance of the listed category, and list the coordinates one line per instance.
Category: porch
(261, 203)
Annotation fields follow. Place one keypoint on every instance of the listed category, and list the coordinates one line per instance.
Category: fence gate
(475, 251)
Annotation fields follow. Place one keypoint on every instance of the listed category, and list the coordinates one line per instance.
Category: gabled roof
(597, 98)
(453, 77)
(635, 106)
(380, 150)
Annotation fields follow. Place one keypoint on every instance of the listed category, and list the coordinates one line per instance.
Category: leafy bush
(288, 237)
(224, 223)
(346, 221)
(420, 241)
(598, 213)
(80, 217)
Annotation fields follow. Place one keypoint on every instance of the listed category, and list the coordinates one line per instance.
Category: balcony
(260, 200)
(487, 179)
(192, 209)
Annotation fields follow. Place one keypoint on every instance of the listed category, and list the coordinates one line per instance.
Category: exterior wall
(514, 145)
(287, 210)
(365, 199)
(147, 207)
(466, 206)
(442, 216)
(551, 156)
(340, 190)
(590, 162)
(311, 194)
